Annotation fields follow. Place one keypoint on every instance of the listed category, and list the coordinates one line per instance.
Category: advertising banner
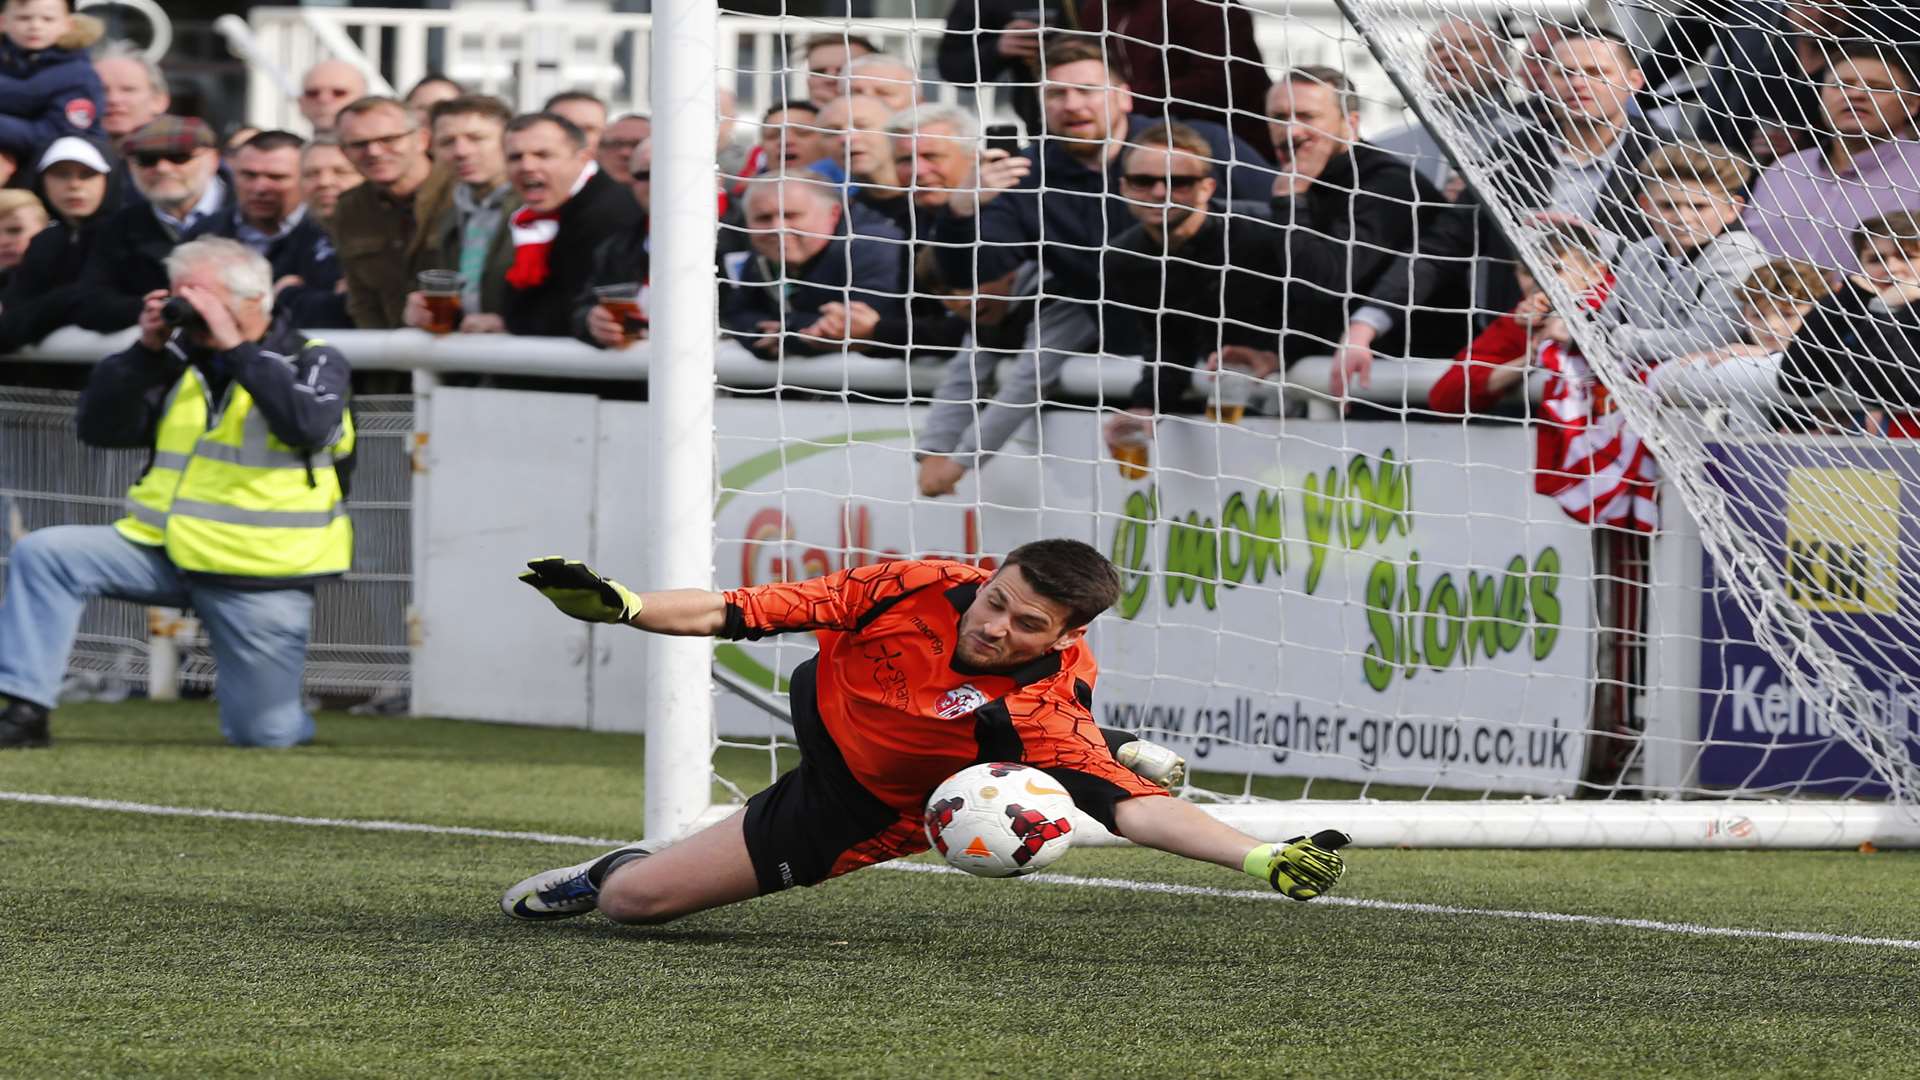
(1837, 520)
(1300, 599)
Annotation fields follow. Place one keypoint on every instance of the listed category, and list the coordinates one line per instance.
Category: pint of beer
(1131, 450)
(622, 301)
(441, 290)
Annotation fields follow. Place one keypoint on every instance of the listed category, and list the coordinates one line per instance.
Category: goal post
(1634, 571)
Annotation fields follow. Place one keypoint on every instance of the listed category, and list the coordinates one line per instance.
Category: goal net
(1502, 418)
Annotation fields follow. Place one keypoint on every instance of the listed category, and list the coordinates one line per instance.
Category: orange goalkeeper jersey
(899, 711)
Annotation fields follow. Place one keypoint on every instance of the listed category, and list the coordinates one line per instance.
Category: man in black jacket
(176, 167)
(1188, 270)
(76, 181)
(269, 217)
(567, 208)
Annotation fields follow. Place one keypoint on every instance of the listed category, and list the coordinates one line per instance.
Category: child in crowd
(1865, 338)
(22, 216)
(1585, 456)
(1676, 292)
(48, 88)
(1740, 379)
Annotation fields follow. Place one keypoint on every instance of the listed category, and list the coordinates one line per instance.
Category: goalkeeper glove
(575, 589)
(1154, 762)
(1301, 868)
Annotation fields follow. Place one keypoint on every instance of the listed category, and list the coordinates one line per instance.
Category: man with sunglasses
(175, 164)
(384, 229)
(1169, 270)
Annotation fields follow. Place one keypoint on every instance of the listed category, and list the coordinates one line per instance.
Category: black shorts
(816, 821)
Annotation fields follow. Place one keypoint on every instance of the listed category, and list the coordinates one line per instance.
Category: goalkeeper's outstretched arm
(1302, 868)
(575, 589)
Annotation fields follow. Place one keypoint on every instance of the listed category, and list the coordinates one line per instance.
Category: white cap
(74, 148)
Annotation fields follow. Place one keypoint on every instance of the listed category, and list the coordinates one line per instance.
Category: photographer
(238, 515)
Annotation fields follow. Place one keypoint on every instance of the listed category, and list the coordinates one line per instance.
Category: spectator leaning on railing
(1058, 203)
(76, 180)
(239, 513)
(1351, 218)
(177, 170)
(1741, 377)
(566, 208)
(1678, 289)
(936, 153)
(1865, 338)
(1807, 205)
(1183, 270)
(620, 259)
(384, 229)
(471, 233)
(808, 252)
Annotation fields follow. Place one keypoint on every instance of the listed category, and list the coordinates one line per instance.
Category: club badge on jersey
(960, 701)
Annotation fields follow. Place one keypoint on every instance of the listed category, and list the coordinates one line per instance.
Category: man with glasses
(383, 229)
(620, 258)
(1063, 225)
(1169, 268)
(327, 88)
(619, 141)
(175, 163)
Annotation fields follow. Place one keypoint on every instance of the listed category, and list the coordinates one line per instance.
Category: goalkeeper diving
(925, 667)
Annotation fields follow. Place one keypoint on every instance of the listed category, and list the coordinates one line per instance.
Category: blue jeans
(259, 636)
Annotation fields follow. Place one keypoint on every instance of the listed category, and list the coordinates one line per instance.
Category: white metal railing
(1106, 379)
(526, 56)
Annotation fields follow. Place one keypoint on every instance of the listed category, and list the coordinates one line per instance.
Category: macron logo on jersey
(960, 701)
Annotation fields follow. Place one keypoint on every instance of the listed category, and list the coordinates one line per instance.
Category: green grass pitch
(174, 946)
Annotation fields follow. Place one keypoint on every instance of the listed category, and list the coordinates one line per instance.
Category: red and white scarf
(533, 235)
(1587, 458)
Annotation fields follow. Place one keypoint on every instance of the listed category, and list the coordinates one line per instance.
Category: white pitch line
(1125, 885)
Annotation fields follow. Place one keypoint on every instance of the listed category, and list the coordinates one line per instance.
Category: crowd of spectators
(1163, 196)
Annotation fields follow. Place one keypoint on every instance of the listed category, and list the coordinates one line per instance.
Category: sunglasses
(643, 175)
(147, 159)
(1144, 181)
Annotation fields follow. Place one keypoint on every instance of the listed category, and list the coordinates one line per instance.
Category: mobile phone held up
(1003, 137)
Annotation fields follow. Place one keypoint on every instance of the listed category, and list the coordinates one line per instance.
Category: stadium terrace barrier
(1084, 378)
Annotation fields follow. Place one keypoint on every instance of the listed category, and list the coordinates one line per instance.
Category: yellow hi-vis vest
(237, 501)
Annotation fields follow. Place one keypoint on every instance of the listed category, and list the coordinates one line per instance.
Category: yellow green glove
(1301, 868)
(575, 589)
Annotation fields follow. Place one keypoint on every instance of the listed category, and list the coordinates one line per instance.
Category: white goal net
(1500, 416)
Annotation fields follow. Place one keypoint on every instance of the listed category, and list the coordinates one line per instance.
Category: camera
(180, 315)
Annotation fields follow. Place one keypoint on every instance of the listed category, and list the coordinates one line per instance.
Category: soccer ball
(1000, 819)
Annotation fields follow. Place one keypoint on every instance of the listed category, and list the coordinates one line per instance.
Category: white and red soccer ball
(1000, 819)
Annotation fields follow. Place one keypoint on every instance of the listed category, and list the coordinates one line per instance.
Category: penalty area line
(80, 802)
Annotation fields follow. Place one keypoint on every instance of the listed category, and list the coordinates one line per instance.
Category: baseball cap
(170, 135)
(74, 148)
